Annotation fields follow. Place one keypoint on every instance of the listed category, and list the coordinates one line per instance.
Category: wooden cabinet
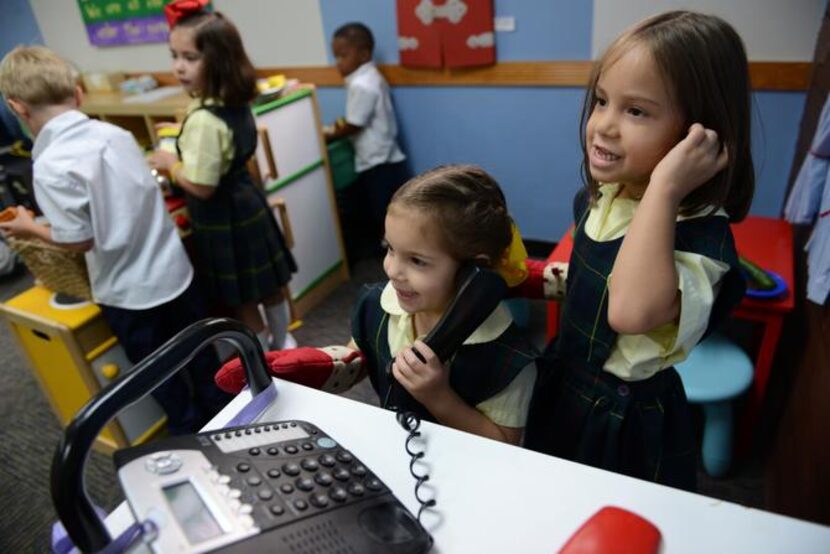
(296, 169)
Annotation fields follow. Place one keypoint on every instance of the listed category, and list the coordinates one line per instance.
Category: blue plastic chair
(716, 372)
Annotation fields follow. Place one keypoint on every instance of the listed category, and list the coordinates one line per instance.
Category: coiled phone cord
(411, 422)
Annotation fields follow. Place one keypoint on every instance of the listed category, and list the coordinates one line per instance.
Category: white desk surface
(494, 497)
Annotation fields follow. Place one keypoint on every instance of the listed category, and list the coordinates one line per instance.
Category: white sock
(278, 320)
(263, 339)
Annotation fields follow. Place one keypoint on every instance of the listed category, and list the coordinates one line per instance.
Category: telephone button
(273, 451)
(324, 478)
(307, 446)
(274, 473)
(265, 494)
(291, 449)
(305, 484)
(327, 460)
(359, 470)
(345, 457)
(373, 484)
(287, 488)
(300, 504)
(325, 442)
(243, 467)
(254, 481)
(291, 469)
(339, 494)
(341, 474)
(254, 451)
(356, 489)
(277, 510)
(310, 464)
(319, 500)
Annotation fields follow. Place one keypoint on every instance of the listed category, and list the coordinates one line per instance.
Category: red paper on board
(451, 33)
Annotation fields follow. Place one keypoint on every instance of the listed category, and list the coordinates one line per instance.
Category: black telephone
(479, 292)
(254, 488)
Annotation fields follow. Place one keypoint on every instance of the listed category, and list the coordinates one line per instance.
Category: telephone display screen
(191, 512)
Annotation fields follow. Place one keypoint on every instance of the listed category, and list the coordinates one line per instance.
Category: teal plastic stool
(714, 374)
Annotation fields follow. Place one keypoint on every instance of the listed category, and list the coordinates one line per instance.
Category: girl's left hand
(425, 381)
(691, 163)
(162, 160)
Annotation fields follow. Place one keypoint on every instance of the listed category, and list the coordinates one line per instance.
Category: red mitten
(333, 368)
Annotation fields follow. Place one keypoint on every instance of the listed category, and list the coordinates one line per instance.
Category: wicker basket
(57, 269)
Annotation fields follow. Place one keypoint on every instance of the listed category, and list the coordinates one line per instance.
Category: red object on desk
(613, 530)
(768, 243)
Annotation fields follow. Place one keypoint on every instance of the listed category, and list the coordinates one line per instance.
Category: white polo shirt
(368, 105)
(92, 182)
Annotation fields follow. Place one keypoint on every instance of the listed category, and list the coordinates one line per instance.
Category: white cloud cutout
(484, 40)
(407, 43)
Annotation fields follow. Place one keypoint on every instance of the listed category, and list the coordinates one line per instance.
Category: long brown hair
(227, 72)
(703, 61)
(468, 207)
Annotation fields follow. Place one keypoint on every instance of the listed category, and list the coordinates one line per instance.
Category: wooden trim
(793, 76)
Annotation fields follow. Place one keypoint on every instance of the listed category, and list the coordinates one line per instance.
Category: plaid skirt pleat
(643, 429)
(242, 253)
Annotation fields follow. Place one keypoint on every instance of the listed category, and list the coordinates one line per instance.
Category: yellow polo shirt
(637, 357)
(509, 407)
(206, 145)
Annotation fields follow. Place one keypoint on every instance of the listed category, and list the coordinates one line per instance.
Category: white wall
(772, 30)
(276, 33)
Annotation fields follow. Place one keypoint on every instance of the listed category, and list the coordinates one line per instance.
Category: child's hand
(425, 381)
(691, 163)
(21, 226)
(162, 160)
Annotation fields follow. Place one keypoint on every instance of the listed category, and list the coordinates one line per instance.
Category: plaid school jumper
(242, 256)
(583, 413)
(478, 371)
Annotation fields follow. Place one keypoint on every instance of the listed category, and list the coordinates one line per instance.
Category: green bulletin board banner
(120, 22)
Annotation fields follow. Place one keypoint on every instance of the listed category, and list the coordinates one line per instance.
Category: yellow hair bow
(512, 266)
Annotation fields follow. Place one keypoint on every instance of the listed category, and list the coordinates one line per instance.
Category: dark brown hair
(468, 207)
(227, 72)
(703, 62)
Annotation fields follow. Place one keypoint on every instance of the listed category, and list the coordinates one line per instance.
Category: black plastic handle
(74, 509)
(478, 295)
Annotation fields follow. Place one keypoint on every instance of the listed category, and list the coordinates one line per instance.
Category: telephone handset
(479, 292)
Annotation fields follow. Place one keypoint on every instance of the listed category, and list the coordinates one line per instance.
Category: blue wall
(528, 137)
(19, 26)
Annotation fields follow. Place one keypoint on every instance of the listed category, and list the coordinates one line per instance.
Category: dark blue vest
(585, 336)
(479, 371)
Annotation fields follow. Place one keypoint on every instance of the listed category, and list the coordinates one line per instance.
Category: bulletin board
(120, 22)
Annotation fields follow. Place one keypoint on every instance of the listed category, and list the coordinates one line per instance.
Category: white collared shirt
(508, 407)
(369, 106)
(92, 182)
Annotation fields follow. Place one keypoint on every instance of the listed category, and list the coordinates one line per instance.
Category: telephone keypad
(303, 481)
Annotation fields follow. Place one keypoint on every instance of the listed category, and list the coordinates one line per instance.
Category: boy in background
(96, 190)
(370, 125)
